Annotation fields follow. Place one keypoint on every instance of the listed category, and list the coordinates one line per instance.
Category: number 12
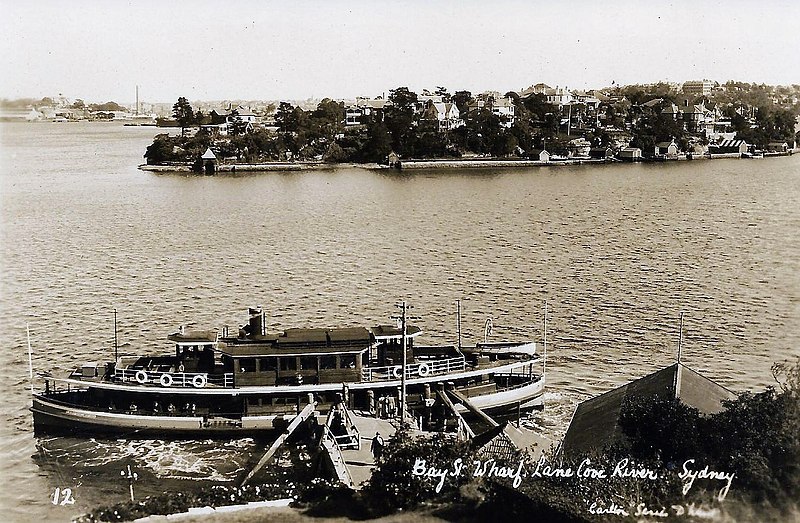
(64, 495)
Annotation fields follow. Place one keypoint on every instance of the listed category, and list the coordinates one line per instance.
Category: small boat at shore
(224, 384)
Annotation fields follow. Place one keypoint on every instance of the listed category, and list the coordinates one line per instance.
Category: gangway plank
(475, 410)
(302, 416)
(449, 404)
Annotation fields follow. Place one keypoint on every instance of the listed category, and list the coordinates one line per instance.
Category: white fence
(173, 379)
(414, 370)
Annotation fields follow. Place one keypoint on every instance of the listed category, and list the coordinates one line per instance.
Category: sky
(275, 50)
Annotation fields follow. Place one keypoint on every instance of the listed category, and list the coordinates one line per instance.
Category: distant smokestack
(258, 321)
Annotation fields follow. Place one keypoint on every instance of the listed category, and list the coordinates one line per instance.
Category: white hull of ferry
(56, 417)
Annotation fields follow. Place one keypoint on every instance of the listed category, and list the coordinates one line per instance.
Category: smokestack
(258, 321)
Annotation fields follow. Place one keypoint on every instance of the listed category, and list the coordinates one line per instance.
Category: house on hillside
(364, 109)
(446, 114)
(595, 422)
(501, 107)
(579, 147)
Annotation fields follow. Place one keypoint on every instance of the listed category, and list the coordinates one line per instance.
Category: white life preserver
(199, 381)
(397, 371)
(423, 370)
(141, 377)
(165, 380)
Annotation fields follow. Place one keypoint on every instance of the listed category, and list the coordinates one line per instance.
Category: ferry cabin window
(327, 362)
(247, 365)
(288, 363)
(308, 363)
(347, 361)
(268, 364)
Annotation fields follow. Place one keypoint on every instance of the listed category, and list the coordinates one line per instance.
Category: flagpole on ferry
(544, 358)
(458, 323)
(116, 356)
(30, 355)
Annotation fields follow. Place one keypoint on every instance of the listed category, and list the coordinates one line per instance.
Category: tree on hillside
(236, 125)
(183, 113)
(462, 100)
(108, 106)
(401, 119)
(327, 120)
(288, 117)
(379, 142)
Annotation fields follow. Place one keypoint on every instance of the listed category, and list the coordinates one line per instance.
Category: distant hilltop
(21, 106)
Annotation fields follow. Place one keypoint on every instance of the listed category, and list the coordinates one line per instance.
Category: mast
(403, 380)
(137, 100)
(116, 356)
(544, 358)
(458, 322)
(30, 354)
(404, 317)
(680, 339)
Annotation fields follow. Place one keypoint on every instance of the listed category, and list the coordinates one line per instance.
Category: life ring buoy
(199, 381)
(165, 380)
(397, 371)
(141, 377)
(423, 370)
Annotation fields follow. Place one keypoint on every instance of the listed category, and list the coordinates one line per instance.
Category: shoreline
(441, 163)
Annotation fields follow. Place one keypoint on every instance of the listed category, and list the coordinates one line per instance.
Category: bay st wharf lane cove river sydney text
(626, 468)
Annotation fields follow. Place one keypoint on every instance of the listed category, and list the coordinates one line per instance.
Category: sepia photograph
(443, 261)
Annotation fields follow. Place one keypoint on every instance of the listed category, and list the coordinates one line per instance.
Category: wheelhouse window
(288, 363)
(247, 365)
(347, 361)
(327, 362)
(308, 363)
(268, 364)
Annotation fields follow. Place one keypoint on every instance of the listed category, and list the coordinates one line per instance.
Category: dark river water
(617, 251)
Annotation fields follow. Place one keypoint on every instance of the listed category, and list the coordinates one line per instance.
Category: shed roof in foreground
(596, 421)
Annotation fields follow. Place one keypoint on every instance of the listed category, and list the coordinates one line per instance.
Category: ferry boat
(223, 384)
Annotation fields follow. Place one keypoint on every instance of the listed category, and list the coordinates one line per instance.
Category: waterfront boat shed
(630, 154)
(728, 147)
(595, 422)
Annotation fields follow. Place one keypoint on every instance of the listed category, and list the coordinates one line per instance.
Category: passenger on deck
(382, 411)
(337, 424)
(377, 446)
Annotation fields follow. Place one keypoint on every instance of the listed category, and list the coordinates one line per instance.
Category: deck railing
(334, 451)
(351, 439)
(414, 370)
(525, 379)
(174, 379)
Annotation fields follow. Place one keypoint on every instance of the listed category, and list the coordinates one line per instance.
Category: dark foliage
(393, 487)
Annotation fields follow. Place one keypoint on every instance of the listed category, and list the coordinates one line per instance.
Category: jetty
(349, 455)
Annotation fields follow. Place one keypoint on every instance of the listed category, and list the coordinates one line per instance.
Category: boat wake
(207, 460)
